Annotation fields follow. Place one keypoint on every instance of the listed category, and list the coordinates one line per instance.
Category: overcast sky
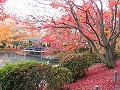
(22, 8)
(25, 7)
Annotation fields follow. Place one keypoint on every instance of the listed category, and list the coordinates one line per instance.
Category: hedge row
(33, 76)
(78, 64)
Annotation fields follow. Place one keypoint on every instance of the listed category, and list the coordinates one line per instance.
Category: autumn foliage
(62, 39)
(3, 1)
(98, 75)
(95, 23)
(5, 29)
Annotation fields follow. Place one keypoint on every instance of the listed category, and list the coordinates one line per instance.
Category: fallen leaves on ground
(98, 75)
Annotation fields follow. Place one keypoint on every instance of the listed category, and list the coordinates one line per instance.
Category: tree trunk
(110, 57)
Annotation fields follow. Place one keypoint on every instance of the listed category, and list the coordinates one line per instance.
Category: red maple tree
(90, 19)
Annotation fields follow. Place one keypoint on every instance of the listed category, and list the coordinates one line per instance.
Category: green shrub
(59, 77)
(4, 44)
(77, 64)
(1, 46)
(32, 76)
(92, 57)
(117, 53)
(25, 45)
(83, 49)
(18, 76)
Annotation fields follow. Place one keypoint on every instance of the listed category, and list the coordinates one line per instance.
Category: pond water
(8, 57)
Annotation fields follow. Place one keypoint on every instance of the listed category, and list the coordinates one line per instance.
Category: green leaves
(32, 76)
(77, 64)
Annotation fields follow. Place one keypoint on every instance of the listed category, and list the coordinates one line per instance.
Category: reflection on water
(6, 57)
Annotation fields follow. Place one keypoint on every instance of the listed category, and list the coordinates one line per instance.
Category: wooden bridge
(34, 52)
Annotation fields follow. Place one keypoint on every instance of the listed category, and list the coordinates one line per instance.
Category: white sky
(22, 8)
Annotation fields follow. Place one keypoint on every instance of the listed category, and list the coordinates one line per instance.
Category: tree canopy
(91, 19)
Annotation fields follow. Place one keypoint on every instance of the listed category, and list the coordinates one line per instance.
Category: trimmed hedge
(77, 64)
(33, 76)
(91, 57)
(59, 77)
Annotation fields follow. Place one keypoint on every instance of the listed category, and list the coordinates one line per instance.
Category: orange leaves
(107, 15)
(5, 29)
